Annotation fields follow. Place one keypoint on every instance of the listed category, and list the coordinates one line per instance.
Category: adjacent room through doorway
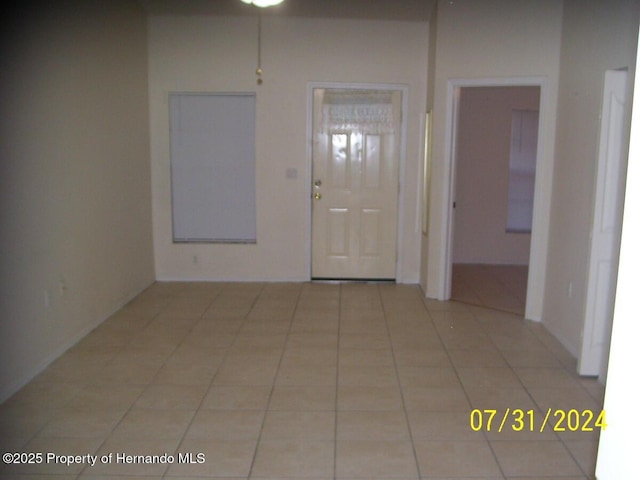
(495, 165)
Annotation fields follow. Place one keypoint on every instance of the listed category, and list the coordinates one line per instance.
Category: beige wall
(482, 175)
(75, 208)
(218, 54)
(490, 39)
(596, 36)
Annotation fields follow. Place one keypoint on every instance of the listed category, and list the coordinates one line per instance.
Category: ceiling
(401, 10)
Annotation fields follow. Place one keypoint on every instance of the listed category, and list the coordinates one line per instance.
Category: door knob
(317, 196)
(318, 183)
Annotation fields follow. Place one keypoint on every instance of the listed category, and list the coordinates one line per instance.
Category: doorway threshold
(353, 280)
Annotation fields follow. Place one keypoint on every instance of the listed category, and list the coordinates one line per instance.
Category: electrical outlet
(195, 259)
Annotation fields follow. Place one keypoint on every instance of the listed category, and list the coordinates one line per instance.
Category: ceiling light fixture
(263, 3)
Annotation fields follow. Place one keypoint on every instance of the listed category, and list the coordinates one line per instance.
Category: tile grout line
(337, 384)
(558, 438)
(210, 384)
(399, 383)
(481, 301)
(273, 384)
(86, 384)
(455, 369)
(120, 350)
(196, 409)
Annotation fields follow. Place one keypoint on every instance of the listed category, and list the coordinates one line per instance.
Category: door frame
(311, 86)
(542, 189)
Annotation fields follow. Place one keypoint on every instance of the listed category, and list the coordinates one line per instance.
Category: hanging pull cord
(259, 69)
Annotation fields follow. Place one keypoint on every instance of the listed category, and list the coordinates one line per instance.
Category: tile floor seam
(337, 386)
(182, 438)
(86, 384)
(446, 349)
(151, 382)
(570, 453)
(462, 277)
(540, 407)
(225, 357)
(464, 389)
(196, 409)
(558, 438)
(402, 396)
(455, 369)
(273, 384)
(564, 367)
(511, 368)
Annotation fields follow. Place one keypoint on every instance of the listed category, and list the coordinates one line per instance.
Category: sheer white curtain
(370, 112)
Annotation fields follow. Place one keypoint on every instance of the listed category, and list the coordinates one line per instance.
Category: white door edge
(592, 357)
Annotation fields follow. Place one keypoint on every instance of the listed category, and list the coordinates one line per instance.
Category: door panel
(338, 231)
(371, 222)
(355, 183)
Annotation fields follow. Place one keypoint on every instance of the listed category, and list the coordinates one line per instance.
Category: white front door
(607, 225)
(356, 150)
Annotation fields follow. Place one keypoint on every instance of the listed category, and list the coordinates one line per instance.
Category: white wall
(75, 208)
(616, 458)
(596, 36)
(218, 54)
(482, 175)
(489, 39)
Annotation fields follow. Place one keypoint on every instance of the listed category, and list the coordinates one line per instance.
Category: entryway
(356, 143)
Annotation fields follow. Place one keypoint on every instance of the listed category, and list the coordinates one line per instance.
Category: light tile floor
(303, 381)
(501, 287)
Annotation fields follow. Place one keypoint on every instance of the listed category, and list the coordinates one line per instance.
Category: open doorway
(495, 145)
